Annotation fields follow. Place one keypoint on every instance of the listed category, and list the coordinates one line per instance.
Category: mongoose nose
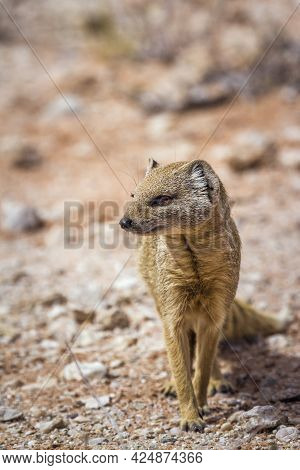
(126, 223)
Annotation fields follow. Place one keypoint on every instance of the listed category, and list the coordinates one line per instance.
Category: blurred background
(89, 90)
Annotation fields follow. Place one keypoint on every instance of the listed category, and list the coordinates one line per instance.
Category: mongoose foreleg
(176, 337)
(208, 334)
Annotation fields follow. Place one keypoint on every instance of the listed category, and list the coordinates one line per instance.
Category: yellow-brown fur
(190, 259)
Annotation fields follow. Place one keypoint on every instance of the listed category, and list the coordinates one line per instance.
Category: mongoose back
(190, 260)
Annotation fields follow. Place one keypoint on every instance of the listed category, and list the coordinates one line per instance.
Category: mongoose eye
(163, 200)
(131, 195)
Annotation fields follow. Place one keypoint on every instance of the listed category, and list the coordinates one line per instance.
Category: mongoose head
(175, 198)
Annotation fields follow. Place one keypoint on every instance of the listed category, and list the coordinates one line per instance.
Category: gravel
(87, 369)
(287, 434)
(9, 414)
(48, 426)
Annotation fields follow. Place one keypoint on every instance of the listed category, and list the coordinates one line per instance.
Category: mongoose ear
(203, 177)
(196, 173)
(151, 165)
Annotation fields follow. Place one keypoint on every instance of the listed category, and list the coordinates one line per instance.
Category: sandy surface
(94, 157)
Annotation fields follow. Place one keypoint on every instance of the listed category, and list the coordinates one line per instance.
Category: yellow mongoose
(190, 260)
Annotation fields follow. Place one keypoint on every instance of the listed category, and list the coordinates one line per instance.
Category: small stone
(277, 342)
(139, 405)
(48, 426)
(291, 134)
(54, 299)
(117, 319)
(146, 433)
(226, 426)
(9, 414)
(49, 344)
(123, 435)
(56, 311)
(268, 382)
(221, 152)
(116, 363)
(167, 439)
(62, 106)
(37, 412)
(223, 441)
(208, 94)
(88, 369)
(251, 149)
(235, 417)
(239, 45)
(82, 316)
(17, 217)
(152, 102)
(82, 419)
(175, 431)
(10, 334)
(87, 337)
(260, 418)
(126, 283)
(74, 432)
(158, 125)
(287, 434)
(290, 158)
(97, 402)
(31, 444)
(63, 328)
(96, 441)
(28, 158)
(15, 383)
(121, 343)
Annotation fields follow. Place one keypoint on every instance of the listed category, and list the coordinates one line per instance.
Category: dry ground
(36, 322)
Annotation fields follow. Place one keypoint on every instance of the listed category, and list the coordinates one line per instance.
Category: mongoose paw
(219, 386)
(168, 389)
(194, 425)
(204, 410)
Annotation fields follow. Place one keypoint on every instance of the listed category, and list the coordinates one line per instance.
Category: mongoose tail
(244, 321)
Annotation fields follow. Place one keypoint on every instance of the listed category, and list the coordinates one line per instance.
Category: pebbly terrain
(82, 357)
